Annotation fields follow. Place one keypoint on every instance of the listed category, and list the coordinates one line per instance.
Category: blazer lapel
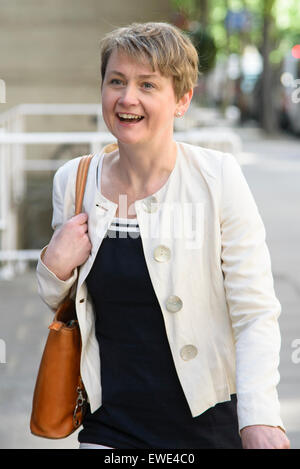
(100, 214)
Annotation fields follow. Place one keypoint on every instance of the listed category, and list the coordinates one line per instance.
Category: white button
(162, 253)
(150, 204)
(173, 304)
(188, 352)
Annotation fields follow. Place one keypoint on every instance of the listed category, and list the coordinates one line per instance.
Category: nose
(129, 96)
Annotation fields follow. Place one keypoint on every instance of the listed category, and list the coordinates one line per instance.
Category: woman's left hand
(264, 437)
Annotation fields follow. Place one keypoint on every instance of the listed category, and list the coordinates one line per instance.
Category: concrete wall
(49, 49)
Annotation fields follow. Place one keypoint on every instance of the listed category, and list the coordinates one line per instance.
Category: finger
(84, 228)
(81, 218)
(87, 238)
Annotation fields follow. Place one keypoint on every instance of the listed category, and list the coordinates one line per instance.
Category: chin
(129, 139)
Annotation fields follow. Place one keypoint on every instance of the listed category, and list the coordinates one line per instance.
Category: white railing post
(14, 165)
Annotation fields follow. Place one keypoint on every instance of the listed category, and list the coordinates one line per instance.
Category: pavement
(271, 165)
(24, 322)
(272, 168)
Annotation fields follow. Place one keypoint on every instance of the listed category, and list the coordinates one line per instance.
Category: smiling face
(138, 104)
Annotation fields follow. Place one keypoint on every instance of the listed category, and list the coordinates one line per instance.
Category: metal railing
(14, 165)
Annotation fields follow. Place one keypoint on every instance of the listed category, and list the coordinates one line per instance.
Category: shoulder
(206, 160)
(68, 171)
(63, 173)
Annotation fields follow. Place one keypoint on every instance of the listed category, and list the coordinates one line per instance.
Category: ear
(184, 102)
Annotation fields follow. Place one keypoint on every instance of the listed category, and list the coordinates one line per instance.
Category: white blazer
(204, 246)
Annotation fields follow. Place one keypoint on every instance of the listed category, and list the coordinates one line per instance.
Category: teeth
(129, 116)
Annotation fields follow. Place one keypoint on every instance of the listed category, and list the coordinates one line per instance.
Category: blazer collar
(102, 210)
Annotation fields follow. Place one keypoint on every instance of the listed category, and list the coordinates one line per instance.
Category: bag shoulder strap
(82, 173)
(81, 177)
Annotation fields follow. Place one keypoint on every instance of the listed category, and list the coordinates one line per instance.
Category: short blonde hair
(166, 48)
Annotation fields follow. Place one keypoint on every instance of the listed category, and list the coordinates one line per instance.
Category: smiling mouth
(131, 118)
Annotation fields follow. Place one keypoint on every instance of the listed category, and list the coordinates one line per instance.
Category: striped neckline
(124, 224)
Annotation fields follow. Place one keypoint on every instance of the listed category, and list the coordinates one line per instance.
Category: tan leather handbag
(59, 397)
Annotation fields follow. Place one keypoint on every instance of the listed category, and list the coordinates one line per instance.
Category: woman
(175, 298)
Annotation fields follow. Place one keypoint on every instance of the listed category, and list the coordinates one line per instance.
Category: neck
(143, 168)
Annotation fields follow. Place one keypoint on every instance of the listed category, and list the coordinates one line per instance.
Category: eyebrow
(115, 72)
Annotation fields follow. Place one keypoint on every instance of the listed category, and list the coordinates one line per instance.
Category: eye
(147, 85)
(115, 81)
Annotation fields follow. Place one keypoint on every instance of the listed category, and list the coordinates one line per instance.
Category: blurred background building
(49, 49)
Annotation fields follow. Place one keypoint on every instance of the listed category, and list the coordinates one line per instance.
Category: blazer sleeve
(51, 289)
(253, 306)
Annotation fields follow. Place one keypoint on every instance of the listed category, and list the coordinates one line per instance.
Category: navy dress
(143, 402)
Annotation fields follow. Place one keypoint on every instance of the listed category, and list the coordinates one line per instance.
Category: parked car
(289, 113)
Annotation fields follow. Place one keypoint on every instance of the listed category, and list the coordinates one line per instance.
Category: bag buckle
(79, 404)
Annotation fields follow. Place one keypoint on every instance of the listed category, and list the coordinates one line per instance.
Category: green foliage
(206, 48)
(284, 15)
